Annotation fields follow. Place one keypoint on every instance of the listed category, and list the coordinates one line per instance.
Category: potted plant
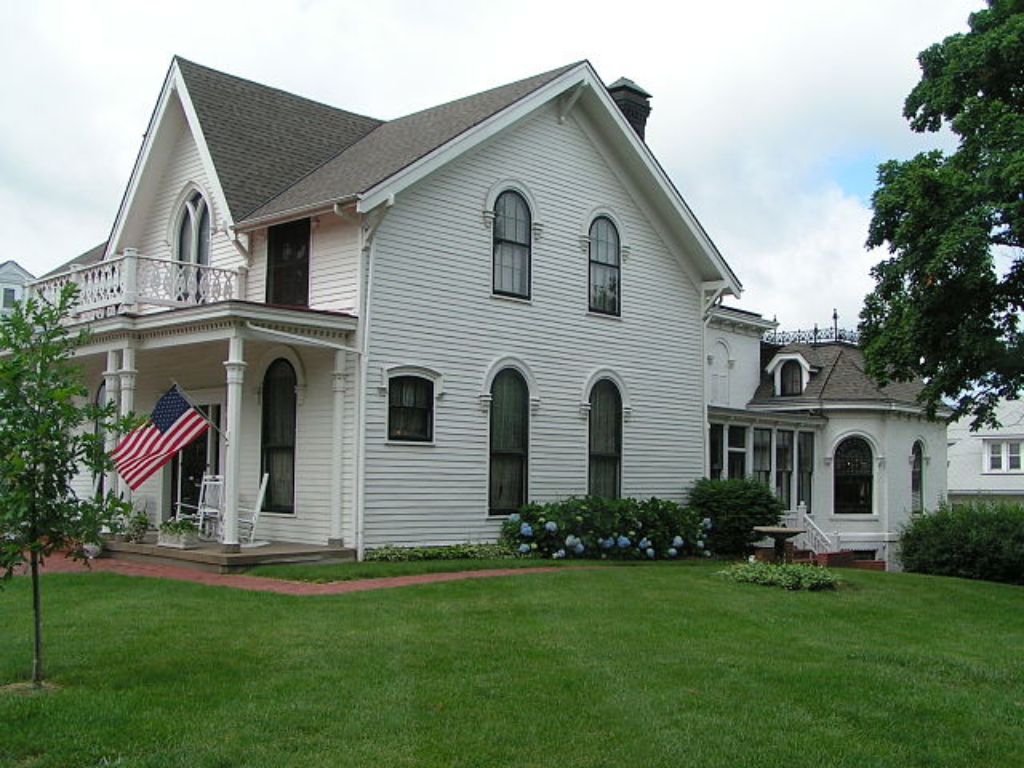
(135, 527)
(179, 534)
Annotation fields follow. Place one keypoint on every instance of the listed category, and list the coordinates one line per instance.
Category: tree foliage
(947, 302)
(47, 437)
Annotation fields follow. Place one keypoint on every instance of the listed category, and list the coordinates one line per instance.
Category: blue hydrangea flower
(578, 549)
(514, 517)
(706, 553)
(623, 542)
(550, 526)
(650, 552)
(700, 544)
(645, 543)
(672, 552)
(524, 548)
(706, 522)
(570, 540)
(559, 554)
(526, 530)
(606, 543)
(677, 541)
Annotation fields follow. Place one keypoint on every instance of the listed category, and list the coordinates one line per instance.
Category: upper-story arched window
(512, 244)
(194, 231)
(917, 478)
(853, 476)
(792, 378)
(605, 269)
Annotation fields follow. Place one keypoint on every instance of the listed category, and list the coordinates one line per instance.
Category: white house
(986, 465)
(851, 461)
(13, 278)
(415, 325)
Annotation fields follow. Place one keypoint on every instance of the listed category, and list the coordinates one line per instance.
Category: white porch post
(127, 376)
(235, 365)
(337, 454)
(111, 388)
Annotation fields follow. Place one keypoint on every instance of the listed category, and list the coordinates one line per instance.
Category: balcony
(134, 284)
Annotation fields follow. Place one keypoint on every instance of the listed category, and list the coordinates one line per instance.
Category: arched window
(278, 435)
(853, 474)
(792, 378)
(512, 237)
(605, 275)
(410, 409)
(605, 465)
(917, 478)
(194, 231)
(510, 442)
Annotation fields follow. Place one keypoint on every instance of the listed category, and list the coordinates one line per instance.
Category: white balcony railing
(131, 283)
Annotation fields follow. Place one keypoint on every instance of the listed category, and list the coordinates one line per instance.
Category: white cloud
(752, 103)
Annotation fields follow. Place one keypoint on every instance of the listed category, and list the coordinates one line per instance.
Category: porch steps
(209, 558)
(844, 559)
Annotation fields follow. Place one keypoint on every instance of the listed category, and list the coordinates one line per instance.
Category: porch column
(337, 454)
(127, 375)
(111, 387)
(235, 365)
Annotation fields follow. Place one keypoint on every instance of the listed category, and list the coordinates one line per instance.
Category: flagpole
(199, 410)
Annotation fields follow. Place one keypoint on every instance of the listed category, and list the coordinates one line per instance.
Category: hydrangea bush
(607, 529)
(735, 507)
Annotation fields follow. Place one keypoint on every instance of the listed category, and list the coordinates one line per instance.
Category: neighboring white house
(413, 326)
(987, 465)
(851, 461)
(13, 278)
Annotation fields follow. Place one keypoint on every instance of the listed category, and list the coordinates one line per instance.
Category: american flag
(173, 425)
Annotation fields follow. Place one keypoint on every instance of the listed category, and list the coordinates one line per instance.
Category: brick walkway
(60, 564)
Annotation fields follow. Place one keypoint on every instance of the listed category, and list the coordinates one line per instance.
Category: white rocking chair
(206, 514)
(249, 516)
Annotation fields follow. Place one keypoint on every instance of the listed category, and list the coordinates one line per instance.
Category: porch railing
(814, 538)
(130, 282)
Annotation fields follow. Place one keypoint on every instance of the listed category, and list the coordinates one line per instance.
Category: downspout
(368, 235)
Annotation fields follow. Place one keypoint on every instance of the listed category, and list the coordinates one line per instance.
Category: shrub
(135, 528)
(618, 529)
(972, 541)
(734, 507)
(178, 527)
(453, 552)
(791, 577)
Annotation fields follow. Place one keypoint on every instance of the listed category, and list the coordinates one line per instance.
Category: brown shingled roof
(839, 375)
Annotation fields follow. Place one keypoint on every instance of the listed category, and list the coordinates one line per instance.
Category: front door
(193, 461)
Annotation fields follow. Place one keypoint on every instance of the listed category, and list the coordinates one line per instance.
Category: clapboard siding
(181, 167)
(432, 306)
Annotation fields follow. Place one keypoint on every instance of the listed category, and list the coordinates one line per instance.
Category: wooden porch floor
(209, 557)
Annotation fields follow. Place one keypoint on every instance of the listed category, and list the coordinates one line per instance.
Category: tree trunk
(37, 610)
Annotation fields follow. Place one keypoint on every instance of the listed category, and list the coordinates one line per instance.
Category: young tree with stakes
(47, 437)
(947, 304)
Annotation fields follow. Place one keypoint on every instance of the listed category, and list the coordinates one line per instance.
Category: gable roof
(262, 139)
(12, 266)
(92, 256)
(840, 377)
(394, 145)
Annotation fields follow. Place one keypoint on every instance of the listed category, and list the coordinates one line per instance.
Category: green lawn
(322, 573)
(641, 666)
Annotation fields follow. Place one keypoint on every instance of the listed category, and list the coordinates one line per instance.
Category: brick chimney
(634, 102)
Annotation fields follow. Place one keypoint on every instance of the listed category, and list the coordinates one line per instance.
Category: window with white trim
(194, 231)
(605, 267)
(512, 244)
(509, 442)
(1003, 455)
(917, 478)
(411, 409)
(605, 459)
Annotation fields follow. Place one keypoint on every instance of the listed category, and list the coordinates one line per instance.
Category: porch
(211, 557)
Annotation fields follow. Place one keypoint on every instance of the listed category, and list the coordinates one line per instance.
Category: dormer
(790, 373)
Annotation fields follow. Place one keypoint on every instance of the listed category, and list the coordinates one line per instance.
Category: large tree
(948, 301)
(48, 436)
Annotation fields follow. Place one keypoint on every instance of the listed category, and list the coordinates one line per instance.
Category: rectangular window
(288, 264)
(737, 453)
(9, 298)
(1004, 455)
(763, 456)
(411, 409)
(784, 467)
(805, 467)
(715, 446)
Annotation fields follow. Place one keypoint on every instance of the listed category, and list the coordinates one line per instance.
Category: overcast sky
(769, 116)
